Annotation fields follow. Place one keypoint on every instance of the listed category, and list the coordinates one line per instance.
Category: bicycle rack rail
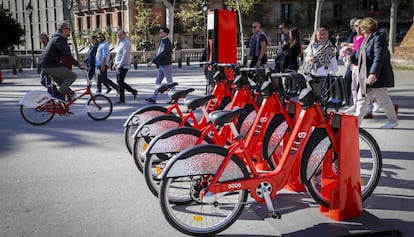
(344, 189)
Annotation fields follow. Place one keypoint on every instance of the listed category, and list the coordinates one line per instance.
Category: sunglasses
(99, 37)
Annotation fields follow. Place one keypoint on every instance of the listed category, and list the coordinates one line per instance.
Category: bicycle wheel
(165, 146)
(200, 217)
(39, 115)
(320, 147)
(246, 119)
(137, 118)
(272, 147)
(147, 131)
(99, 107)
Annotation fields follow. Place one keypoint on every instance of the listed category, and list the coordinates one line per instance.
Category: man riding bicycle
(56, 49)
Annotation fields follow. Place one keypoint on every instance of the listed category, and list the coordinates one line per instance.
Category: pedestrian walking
(90, 58)
(102, 65)
(258, 43)
(163, 60)
(292, 50)
(320, 55)
(122, 62)
(56, 49)
(375, 73)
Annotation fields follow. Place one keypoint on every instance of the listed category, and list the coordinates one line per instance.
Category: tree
(68, 16)
(147, 19)
(13, 30)
(393, 25)
(318, 11)
(192, 15)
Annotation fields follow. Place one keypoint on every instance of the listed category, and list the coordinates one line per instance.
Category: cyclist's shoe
(58, 96)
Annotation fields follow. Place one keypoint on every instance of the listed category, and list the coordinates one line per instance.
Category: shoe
(368, 116)
(150, 100)
(389, 125)
(98, 92)
(134, 94)
(120, 102)
(59, 96)
(108, 90)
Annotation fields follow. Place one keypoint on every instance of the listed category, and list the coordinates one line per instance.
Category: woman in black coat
(292, 50)
(375, 73)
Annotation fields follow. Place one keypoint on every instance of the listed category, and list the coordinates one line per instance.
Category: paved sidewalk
(74, 177)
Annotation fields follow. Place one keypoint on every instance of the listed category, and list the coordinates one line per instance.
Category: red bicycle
(222, 96)
(39, 107)
(214, 181)
(153, 127)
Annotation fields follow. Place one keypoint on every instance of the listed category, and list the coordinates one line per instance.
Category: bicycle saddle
(220, 117)
(195, 102)
(181, 94)
(165, 87)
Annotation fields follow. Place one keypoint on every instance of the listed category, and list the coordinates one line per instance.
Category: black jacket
(378, 61)
(55, 50)
(165, 50)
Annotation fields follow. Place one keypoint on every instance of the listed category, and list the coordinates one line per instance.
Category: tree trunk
(393, 25)
(318, 11)
(68, 16)
(169, 15)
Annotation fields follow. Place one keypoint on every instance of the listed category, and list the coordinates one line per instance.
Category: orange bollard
(344, 189)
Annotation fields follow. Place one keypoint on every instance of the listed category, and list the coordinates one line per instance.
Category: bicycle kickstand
(270, 209)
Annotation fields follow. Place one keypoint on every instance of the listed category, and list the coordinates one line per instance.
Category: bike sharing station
(345, 215)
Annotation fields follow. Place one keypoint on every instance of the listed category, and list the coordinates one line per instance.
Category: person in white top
(122, 62)
(320, 55)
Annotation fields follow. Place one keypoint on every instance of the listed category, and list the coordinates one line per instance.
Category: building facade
(108, 16)
(44, 17)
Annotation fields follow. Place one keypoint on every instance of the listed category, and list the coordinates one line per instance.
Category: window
(108, 20)
(286, 12)
(337, 11)
(98, 21)
(88, 22)
(79, 24)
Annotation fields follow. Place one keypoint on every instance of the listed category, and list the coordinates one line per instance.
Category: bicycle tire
(39, 115)
(136, 118)
(145, 135)
(220, 214)
(99, 107)
(246, 119)
(370, 158)
(272, 147)
(178, 139)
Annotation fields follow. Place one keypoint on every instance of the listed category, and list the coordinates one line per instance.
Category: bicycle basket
(288, 84)
(329, 90)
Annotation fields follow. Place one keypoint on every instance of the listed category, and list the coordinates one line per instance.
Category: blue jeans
(163, 71)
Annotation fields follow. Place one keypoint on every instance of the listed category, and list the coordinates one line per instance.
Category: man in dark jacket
(90, 59)
(163, 60)
(56, 49)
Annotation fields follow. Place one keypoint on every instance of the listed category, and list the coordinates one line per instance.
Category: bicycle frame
(308, 120)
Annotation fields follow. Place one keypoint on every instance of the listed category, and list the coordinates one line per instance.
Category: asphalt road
(74, 176)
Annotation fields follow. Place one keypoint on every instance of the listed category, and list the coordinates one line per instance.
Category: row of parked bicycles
(253, 135)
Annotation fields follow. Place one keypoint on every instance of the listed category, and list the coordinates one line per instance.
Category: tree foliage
(11, 28)
(246, 6)
(192, 15)
(147, 19)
